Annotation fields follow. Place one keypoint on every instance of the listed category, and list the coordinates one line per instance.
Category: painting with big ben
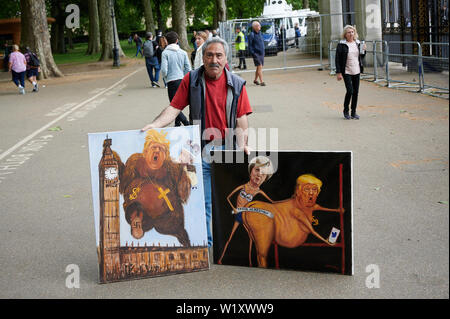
(148, 203)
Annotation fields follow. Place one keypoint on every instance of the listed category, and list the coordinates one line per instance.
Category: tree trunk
(70, 39)
(305, 4)
(94, 29)
(221, 8)
(35, 34)
(106, 36)
(179, 22)
(148, 14)
(60, 35)
(159, 17)
(106, 31)
(54, 28)
(121, 54)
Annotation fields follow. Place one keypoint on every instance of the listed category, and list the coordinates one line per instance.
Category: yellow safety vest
(240, 45)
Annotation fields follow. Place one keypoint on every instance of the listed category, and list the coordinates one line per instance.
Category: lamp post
(116, 60)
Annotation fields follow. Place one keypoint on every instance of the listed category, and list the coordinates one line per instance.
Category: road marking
(59, 118)
(61, 109)
(97, 90)
(85, 109)
(116, 90)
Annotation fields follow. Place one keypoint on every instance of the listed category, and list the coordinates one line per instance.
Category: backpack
(148, 49)
(34, 61)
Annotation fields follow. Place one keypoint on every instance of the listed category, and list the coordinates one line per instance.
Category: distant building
(10, 30)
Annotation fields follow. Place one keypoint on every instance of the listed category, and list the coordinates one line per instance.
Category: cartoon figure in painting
(154, 189)
(260, 170)
(291, 221)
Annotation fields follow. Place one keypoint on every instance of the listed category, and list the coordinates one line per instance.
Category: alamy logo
(73, 19)
(373, 16)
(373, 280)
(73, 279)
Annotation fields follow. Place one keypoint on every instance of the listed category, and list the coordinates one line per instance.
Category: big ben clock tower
(109, 215)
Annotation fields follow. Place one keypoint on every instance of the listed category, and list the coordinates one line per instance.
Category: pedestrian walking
(174, 65)
(200, 39)
(33, 68)
(256, 49)
(218, 100)
(297, 35)
(151, 60)
(350, 53)
(162, 44)
(138, 42)
(17, 65)
(240, 48)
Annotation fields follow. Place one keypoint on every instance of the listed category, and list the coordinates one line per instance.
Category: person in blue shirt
(174, 66)
(256, 49)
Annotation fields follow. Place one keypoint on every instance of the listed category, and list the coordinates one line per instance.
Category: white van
(282, 13)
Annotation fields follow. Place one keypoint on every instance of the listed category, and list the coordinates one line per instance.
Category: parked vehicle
(284, 16)
(268, 32)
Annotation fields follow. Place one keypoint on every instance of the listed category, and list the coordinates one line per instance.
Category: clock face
(111, 173)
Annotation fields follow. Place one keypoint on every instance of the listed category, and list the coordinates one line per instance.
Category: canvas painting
(148, 203)
(284, 210)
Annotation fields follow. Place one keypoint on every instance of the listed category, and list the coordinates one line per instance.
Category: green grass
(77, 55)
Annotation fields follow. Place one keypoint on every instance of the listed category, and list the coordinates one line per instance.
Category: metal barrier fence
(283, 49)
(412, 70)
(420, 67)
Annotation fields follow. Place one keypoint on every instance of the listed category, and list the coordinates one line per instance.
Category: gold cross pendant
(163, 194)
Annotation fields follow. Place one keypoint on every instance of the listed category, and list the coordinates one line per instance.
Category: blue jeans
(152, 64)
(207, 169)
(138, 50)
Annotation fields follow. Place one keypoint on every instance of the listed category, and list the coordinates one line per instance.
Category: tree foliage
(10, 9)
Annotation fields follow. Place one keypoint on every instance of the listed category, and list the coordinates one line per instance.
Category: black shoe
(355, 116)
(346, 116)
(156, 84)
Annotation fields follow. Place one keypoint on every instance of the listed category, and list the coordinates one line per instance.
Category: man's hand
(147, 127)
(242, 133)
(339, 76)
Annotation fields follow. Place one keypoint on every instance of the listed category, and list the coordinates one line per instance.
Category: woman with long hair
(162, 43)
(200, 38)
(349, 56)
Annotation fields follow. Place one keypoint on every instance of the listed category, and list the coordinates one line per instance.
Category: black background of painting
(325, 166)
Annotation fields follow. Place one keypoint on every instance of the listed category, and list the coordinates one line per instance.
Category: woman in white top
(349, 55)
(200, 38)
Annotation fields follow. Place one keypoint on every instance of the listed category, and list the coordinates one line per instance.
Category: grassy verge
(77, 55)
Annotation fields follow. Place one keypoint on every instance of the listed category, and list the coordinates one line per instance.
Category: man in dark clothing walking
(256, 48)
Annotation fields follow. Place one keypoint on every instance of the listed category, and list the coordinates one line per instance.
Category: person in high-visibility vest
(240, 48)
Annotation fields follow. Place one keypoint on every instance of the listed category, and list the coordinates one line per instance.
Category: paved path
(401, 214)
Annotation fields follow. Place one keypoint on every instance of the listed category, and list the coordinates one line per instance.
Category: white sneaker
(21, 90)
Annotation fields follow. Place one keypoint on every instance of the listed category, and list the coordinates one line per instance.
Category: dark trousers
(172, 88)
(18, 78)
(242, 59)
(352, 86)
(152, 64)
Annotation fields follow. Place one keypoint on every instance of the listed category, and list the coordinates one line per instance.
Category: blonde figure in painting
(260, 170)
(292, 221)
